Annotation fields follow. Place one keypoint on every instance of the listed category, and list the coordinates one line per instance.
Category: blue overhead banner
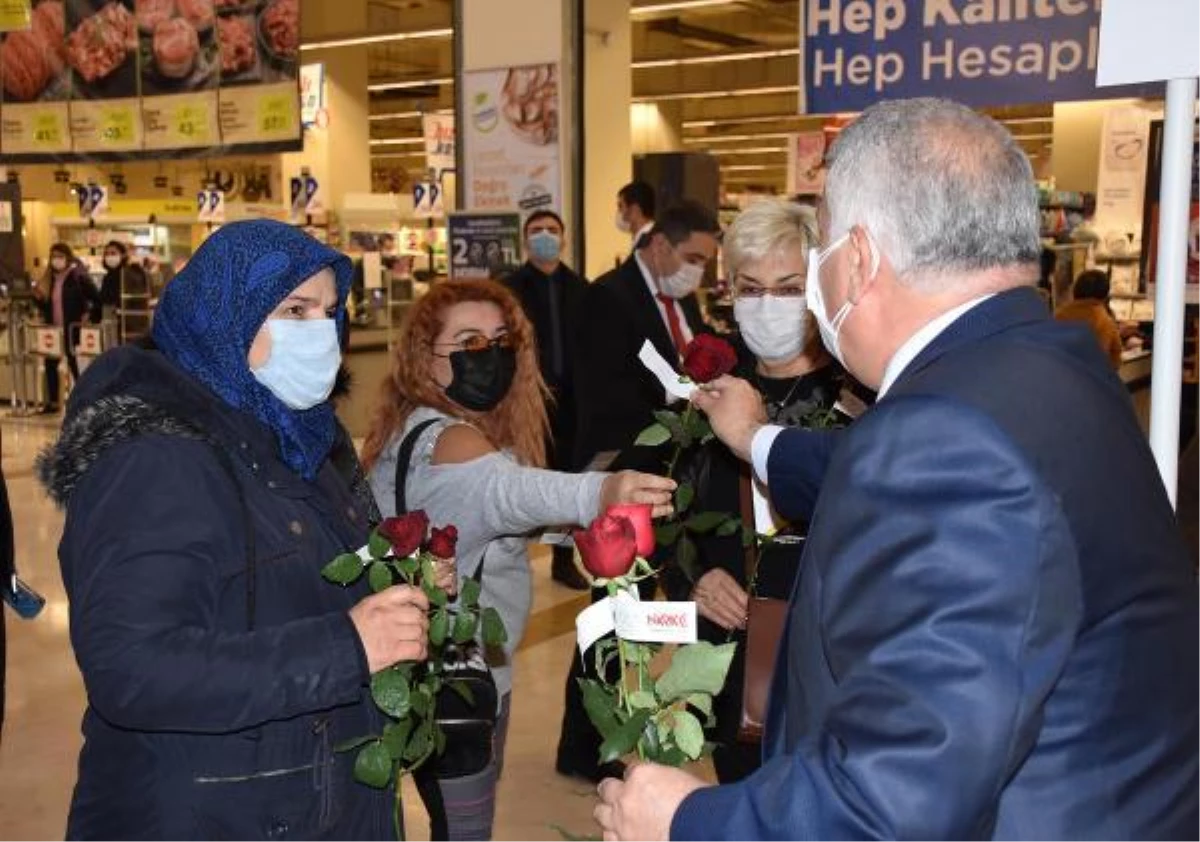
(980, 52)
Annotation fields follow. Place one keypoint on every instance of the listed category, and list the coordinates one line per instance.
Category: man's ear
(864, 262)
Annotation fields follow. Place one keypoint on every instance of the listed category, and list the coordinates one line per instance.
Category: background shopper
(67, 298)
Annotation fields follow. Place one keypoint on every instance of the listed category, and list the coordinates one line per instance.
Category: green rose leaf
(420, 743)
(408, 567)
(623, 740)
(391, 693)
(684, 495)
(379, 575)
(378, 546)
(494, 632)
(395, 737)
(697, 425)
(686, 556)
(437, 596)
(373, 766)
(703, 522)
(422, 701)
(695, 668)
(428, 574)
(642, 699)
(674, 424)
(439, 740)
(468, 597)
(653, 436)
(439, 626)
(689, 734)
(600, 702)
(702, 702)
(463, 689)
(343, 570)
(350, 745)
(464, 626)
(672, 756)
(729, 527)
(666, 534)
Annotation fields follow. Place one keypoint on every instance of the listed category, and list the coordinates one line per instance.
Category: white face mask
(772, 326)
(58, 263)
(831, 328)
(303, 364)
(112, 261)
(682, 282)
(623, 224)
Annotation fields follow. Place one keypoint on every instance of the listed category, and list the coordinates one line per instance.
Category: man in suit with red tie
(651, 296)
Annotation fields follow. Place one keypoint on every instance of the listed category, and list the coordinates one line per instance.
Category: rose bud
(442, 541)
(708, 357)
(405, 533)
(638, 514)
(608, 546)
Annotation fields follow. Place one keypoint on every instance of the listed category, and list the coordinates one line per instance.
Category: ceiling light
(753, 150)
(777, 89)
(1016, 121)
(734, 138)
(752, 167)
(725, 121)
(396, 141)
(679, 6)
(1043, 136)
(363, 40)
(416, 83)
(717, 59)
(378, 155)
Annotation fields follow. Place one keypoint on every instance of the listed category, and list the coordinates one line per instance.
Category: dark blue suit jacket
(994, 629)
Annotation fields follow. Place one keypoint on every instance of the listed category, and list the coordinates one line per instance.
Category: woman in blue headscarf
(201, 504)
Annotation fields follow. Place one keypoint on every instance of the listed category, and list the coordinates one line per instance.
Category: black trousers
(53, 384)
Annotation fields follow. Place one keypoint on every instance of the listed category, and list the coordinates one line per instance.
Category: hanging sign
(439, 142)
(210, 206)
(93, 200)
(484, 245)
(428, 200)
(854, 53)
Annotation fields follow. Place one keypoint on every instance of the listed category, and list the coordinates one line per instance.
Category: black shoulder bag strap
(425, 776)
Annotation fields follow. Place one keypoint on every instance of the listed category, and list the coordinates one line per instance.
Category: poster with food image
(512, 139)
(178, 46)
(107, 79)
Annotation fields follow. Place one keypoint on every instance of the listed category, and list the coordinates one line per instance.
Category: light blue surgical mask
(304, 360)
(545, 246)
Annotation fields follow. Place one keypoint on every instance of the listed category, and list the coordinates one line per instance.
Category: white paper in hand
(665, 372)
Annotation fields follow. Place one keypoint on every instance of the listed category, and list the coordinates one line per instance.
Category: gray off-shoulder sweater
(496, 503)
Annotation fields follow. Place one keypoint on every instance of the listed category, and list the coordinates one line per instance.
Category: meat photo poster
(512, 139)
(113, 78)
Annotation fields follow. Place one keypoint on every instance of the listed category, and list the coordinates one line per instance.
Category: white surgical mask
(772, 325)
(682, 282)
(623, 224)
(831, 327)
(112, 261)
(304, 360)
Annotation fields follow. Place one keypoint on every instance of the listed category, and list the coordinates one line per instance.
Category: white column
(1175, 192)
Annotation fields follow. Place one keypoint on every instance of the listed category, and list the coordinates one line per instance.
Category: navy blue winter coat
(207, 718)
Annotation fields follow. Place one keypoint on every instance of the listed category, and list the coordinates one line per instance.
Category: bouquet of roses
(405, 550)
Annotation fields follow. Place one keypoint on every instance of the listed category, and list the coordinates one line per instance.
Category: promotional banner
(512, 160)
(1121, 179)
(982, 52)
(439, 142)
(113, 79)
(806, 163)
(484, 245)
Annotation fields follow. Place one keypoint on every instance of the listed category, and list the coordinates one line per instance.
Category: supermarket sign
(980, 52)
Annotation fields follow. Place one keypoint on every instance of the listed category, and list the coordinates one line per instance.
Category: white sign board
(48, 341)
(1147, 41)
(428, 200)
(312, 92)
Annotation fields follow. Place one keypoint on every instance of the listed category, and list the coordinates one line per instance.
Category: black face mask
(481, 379)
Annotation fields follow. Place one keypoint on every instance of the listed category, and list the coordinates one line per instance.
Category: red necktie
(673, 323)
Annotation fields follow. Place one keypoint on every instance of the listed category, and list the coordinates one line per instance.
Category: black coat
(206, 718)
(616, 395)
(552, 303)
(79, 297)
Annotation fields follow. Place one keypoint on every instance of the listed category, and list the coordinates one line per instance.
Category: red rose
(405, 533)
(639, 515)
(443, 541)
(608, 546)
(708, 357)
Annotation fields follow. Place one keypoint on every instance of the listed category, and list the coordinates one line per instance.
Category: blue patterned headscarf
(211, 311)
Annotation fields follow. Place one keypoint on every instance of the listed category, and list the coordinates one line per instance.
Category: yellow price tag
(14, 15)
(47, 130)
(116, 126)
(190, 122)
(276, 113)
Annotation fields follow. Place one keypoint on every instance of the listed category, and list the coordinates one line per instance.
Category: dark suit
(994, 629)
(552, 305)
(617, 396)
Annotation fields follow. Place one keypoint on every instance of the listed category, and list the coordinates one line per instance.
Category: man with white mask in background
(636, 206)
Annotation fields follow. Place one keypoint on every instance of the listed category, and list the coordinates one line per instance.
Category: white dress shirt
(641, 232)
(662, 308)
(760, 445)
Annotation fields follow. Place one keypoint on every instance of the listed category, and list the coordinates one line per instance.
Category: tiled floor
(46, 697)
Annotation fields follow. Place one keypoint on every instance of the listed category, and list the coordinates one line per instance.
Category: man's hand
(735, 411)
(721, 599)
(393, 626)
(643, 805)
